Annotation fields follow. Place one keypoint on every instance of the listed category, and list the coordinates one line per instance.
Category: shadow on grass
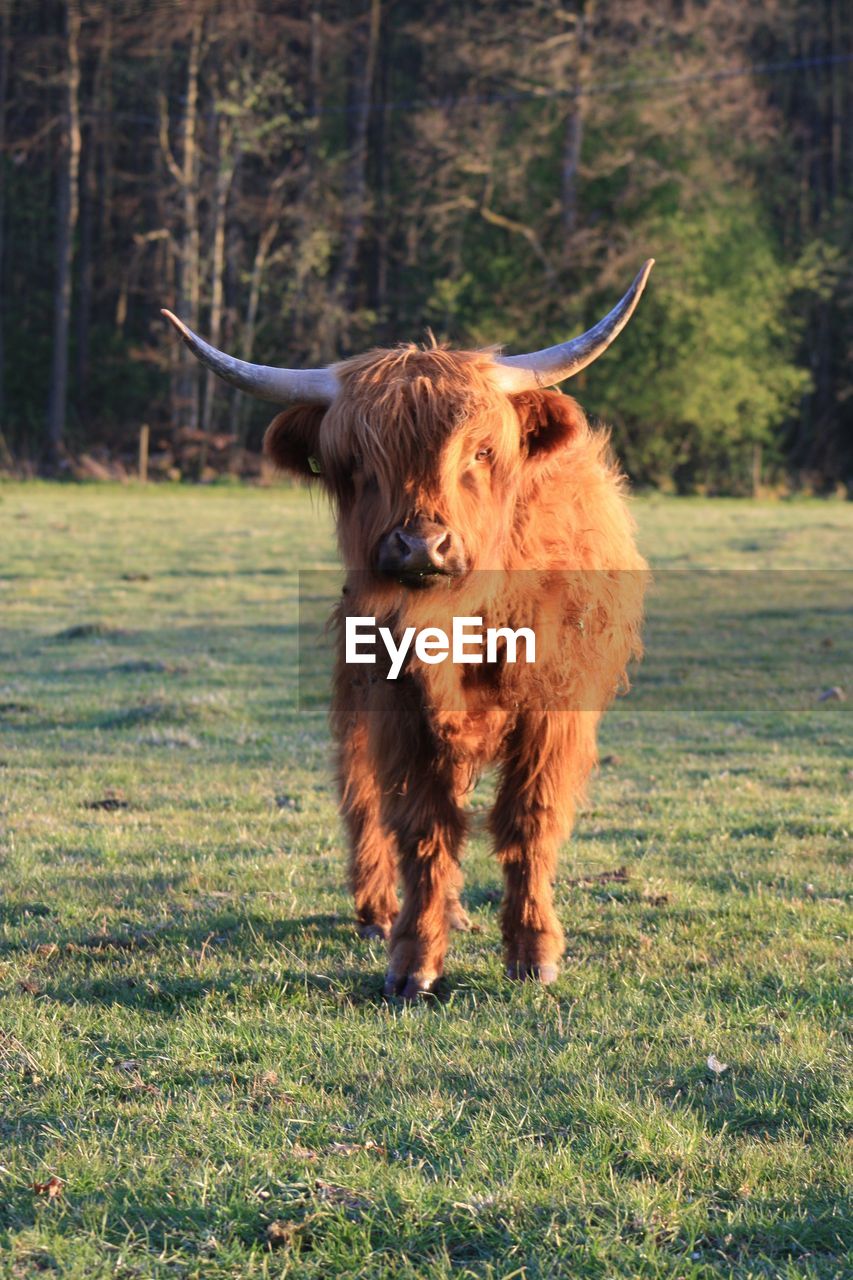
(17, 913)
(152, 992)
(223, 931)
(158, 993)
(817, 1225)
(777, 1232)
(748, 1100)
(133, 1222)
(132, 968)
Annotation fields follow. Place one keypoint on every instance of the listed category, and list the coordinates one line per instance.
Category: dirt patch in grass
(90, 631)
(109, 803)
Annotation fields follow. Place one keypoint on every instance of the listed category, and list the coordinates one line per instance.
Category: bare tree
(66, 224)
(92, 192)
(256, 277)
(186, 177)
(355, 189)
(226, 159)
(5, 21)
(573, 143)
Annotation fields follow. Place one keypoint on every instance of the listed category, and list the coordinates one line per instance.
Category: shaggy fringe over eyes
(421, 396)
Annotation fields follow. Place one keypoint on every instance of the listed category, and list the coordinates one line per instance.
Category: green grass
(192, 1037)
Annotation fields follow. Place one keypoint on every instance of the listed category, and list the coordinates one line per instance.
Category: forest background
(303, 180)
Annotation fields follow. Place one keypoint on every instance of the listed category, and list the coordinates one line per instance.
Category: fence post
(144, 435)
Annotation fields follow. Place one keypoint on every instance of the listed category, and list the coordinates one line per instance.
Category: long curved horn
(265, 382)
(553, 364)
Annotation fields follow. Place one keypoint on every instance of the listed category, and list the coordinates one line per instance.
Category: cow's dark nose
(421, 553)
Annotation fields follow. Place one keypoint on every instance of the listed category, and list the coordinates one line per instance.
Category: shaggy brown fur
(540, 524)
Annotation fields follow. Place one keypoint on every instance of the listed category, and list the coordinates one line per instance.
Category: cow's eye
(484, 454)
(357, 462)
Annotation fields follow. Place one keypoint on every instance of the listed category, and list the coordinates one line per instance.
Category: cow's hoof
(544, 973)
(376, 930)
(406, 987)
(459, 919)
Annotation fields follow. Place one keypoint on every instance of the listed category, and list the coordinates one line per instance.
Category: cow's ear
(549, 421)
(291, 440)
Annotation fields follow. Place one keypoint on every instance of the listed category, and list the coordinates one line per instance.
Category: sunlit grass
(192, 1037)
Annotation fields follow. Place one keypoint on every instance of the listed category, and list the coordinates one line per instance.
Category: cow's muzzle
(418, 554)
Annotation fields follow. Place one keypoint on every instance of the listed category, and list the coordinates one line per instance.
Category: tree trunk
(107, 140)
(382, 166)
(5, 15)
(83, 319)
(573, 140)
(836, 72)
(315, 87)
(93, 194)
(571, 165)
(306, 335)
(190, 284)
(355, 193)
(66, 219)
(238, 401)
(226, 160)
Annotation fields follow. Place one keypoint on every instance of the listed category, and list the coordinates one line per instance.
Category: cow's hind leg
(457, 916)
(549, 762)
(372, 849)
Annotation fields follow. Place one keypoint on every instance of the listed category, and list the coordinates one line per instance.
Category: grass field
(192, 1038)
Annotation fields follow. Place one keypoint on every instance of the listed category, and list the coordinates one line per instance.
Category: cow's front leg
(430, 828)
(372, 852)
(532, 936)
(549, 762)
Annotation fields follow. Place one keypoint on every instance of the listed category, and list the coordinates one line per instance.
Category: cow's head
(425, 453)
